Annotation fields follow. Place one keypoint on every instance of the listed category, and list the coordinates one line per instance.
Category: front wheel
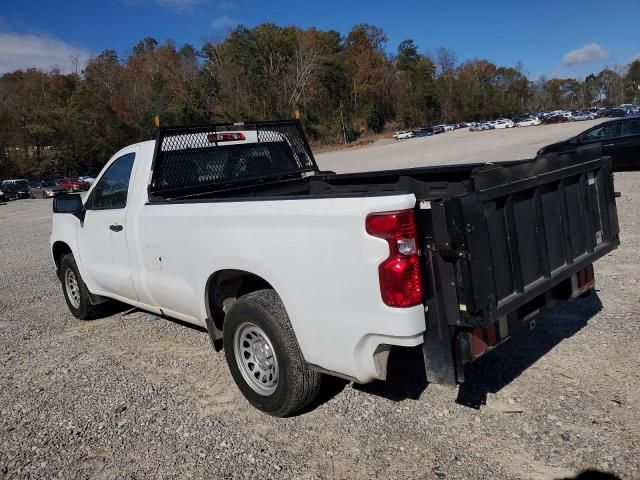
(264, 357)
(75, 291)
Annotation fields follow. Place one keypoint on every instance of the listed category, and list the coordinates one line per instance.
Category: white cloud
(22, 51)
(587, 54)
(223, 22)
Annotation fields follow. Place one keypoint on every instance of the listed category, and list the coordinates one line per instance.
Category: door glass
(631, 127)
(111, 190)
(603, 132)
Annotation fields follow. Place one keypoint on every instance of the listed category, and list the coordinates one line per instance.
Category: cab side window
(111, 191)
(629, 128)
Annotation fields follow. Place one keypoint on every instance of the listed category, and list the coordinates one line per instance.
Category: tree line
(341, 86)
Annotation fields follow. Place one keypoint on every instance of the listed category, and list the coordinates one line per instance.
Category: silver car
(45, 189)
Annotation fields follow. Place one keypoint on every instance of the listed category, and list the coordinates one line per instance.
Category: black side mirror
(69, 204)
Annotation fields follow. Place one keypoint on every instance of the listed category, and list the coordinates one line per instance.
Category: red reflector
(225, 137)
(400, 278)
(477, 342)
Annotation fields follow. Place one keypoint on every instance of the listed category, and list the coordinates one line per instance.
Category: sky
(563, 38)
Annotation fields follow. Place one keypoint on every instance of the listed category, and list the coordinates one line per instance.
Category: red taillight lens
(400, 279)
(225, 137)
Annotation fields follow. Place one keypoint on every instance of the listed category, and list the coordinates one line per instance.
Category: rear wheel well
(223, 288)
(59, 250)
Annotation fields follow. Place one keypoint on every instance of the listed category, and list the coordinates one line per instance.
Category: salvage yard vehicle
(404, 135)
(528, 122)
(45, 189)
(618, 138)
(16, 189)
(297, 272)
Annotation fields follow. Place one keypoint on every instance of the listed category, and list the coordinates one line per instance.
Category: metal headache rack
(195, 160)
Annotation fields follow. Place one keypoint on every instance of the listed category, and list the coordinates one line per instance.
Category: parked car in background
(555, 119)
(424, 132)
(438, 129)
(404, 134)
(3, 197)
(45, 189)
(445, 128)
(619, 139)
(528, 122)
(584, 115)
(87, 178)
(617, 112)
(478, 127)
(15, 188)
(502, 123)
(73, 185)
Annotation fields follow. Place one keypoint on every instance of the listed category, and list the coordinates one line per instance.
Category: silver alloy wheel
(256, 358)
(72, 287)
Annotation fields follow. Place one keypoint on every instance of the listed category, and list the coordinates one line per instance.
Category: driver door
(102, 239)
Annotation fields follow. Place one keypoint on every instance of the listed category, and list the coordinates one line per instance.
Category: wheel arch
(58, 250)
(221, 291)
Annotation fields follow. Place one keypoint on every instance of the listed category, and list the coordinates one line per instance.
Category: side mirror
(69, 204)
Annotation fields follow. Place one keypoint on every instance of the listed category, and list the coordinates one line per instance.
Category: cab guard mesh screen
(200, 159)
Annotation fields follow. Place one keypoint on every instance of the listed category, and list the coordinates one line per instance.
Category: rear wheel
(75, 291)
(264, 357)
(44, 195)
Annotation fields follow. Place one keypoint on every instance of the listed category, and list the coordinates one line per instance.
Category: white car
(528, 122)
(502, 123)
(406, 134)
(297, 272)
(447, 128)
(87, 179)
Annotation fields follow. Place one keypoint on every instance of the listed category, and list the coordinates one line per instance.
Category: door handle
(116, 227)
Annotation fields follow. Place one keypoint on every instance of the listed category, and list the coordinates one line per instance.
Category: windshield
(48, 184)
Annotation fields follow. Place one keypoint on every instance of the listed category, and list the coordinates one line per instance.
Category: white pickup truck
(299, 273)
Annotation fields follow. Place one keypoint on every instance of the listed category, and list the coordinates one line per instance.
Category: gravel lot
(459, 146)
(131, 397)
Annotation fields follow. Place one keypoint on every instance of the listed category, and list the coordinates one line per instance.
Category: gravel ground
(459, 146)
(130, 397)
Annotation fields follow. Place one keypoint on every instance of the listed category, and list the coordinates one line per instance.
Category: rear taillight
(225, 137)
(400, 282)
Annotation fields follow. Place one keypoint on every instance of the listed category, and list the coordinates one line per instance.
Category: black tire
(81, 307)
(44, 195)
(297, 385)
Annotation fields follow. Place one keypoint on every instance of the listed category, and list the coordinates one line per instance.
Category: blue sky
(553, 38)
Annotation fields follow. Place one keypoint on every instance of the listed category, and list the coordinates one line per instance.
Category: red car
(555, 119)
(73, 185)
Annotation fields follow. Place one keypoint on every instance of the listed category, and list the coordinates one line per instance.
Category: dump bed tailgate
(523, 229)
(509, 247)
